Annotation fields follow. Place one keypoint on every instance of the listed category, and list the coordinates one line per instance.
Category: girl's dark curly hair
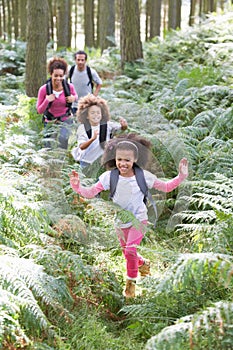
(143, 145)
(57, 63)
(91, 100)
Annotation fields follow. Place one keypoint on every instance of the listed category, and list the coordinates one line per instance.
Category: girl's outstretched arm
(87, 192)
(168, 186)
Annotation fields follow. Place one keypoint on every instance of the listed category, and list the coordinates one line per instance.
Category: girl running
(125, 153)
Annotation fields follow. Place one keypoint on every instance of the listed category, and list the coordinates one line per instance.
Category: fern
(57, 261)
(169, 102)
(10, 327)
(209, 329)
(27, 281)
(189, 285)
(20, 222)
(209, 197)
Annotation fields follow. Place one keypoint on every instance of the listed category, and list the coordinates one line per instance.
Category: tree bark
(15, 11)
(51, 25)
(192, 12)
(174, 14)
(106, 24)
(89, 23)
(155, 18)
(147, 24)
(9, 20)
(75, 23)
(35, 73)
(131, 46)
(63, 24)
(23, 17)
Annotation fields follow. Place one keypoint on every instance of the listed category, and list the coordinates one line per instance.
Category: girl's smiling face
(125, 160)
(94, 115)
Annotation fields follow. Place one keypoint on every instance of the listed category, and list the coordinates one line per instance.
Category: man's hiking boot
(130, 288)
(145, 268)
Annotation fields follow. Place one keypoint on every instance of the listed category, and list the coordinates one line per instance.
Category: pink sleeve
(73, 92)
(168, 186)
(42, 102)
(88, 192)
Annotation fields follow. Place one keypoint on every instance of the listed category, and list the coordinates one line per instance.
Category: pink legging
(130, 238)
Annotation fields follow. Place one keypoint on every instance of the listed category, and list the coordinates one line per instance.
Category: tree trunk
(147, 24)
(15, 11)
(209, 6)
(213, 5)
(155, 18)
(174, 14)
(75, 23)
(89, 23)
(106, 24)
(9, 20)
(63, 24)
(23, 21)
(131, 46)
(51, 25)
(222, 4)
(35, 74)
(4, 19)
(192, 12)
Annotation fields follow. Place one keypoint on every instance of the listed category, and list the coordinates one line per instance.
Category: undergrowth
(62, 271)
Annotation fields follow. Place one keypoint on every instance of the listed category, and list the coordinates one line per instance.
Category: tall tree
(35, 73)
(23, 22)
(64, 24)
(155, 18)
(131, 45)
(147, 24)
(209, 6)
(106, 24)
(9, 17)
(15, 11)
(89, 23)
(222, 4)
(51, 17)
(174, 14)
(192, 12)
(75, 34)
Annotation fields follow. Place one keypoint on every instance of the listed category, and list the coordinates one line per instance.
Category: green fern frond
(58, 261)
(187, 286)
(21, 221)
(213, 194)
(10, 327)
(223, 126)
(211, 237)
(193, 134)
(190, 269)
(27, 281)
(201, 220)
(209, 329)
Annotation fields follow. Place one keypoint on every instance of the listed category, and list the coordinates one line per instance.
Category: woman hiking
(54, 102)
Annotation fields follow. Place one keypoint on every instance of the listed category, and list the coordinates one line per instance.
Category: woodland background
(61, 269)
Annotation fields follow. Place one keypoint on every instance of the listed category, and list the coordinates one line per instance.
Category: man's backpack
(88, 73)
(49, 91)
(140, 178)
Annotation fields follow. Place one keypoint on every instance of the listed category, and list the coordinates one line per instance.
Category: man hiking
(85, 79)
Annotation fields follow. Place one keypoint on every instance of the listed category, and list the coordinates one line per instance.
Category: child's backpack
(88, 73)
(102, 134)
(139, 174)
